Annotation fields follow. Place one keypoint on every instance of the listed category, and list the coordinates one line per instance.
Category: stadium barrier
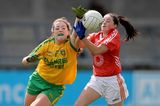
(143, 86)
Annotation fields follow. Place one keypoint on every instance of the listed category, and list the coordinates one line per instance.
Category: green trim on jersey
(75, 49)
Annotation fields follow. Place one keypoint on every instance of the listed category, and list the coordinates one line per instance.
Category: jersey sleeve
(39, 50)
(113, 42)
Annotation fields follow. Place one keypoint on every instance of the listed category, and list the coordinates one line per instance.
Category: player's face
(60, 30)
(107, 23)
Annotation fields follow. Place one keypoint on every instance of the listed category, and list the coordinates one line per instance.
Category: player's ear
(52, 29)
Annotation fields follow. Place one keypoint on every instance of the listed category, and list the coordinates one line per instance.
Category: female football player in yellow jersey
(57, 65)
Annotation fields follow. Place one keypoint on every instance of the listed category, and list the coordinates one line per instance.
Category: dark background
(25, 23)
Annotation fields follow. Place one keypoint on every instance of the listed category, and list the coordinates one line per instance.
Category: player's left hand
(80, 29)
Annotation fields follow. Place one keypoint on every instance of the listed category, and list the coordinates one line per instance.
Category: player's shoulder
(94, 35)
(50, 39)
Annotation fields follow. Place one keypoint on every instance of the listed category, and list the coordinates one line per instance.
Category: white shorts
(113, 88)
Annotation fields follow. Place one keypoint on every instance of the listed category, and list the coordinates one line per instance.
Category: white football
(92, 20)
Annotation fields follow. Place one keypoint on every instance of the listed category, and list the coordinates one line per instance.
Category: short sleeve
(40, 49)
(113, 42)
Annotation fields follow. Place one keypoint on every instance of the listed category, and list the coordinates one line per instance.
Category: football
(92, 20)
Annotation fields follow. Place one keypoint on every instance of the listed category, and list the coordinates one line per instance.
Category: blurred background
(26, 23)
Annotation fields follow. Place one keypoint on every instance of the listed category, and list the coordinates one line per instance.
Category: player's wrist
(81, 37)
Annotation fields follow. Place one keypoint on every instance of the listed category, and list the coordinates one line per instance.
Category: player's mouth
(60, 34)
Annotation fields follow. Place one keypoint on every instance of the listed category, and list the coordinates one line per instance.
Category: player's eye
(57, 28)
(108, 21)
(63, 28)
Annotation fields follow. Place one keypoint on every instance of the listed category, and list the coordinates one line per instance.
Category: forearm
(24, 60)
(95, 50)
(30, 59)
(92, 48)
(74, 39)
(79, 43)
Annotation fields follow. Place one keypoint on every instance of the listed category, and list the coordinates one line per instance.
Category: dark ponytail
(130, 30)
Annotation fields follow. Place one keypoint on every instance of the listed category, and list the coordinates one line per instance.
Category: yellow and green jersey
(58, 63)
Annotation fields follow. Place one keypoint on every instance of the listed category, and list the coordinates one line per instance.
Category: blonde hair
(63, 19)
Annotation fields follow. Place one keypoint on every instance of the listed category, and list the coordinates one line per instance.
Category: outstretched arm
(80, 31)
(79, 13)
(75, 40)
(36, 53)
(29, 59)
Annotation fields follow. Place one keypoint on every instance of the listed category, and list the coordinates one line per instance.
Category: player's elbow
(99, 50)
(95, 52)
(24, 61)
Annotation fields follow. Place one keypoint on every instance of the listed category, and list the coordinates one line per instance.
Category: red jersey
(108, 63)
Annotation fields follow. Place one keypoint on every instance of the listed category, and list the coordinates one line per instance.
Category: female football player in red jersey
(104, 46)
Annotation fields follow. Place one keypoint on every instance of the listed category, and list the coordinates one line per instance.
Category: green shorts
(37, 85)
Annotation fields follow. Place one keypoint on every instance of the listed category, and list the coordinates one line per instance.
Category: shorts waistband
(106, 75)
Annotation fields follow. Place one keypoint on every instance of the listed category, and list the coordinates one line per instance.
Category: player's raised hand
(79, 11)
(80, 29)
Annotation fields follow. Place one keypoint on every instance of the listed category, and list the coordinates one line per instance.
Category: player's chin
(102, 29)
(61, 38)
